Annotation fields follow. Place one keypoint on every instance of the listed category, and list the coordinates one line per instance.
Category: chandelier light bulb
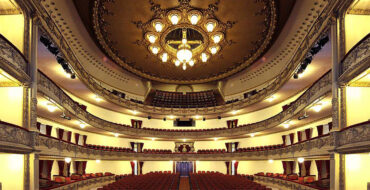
(194, 19)
(155, 50)
(184, 55)
(213, 50)
(216, 38)
(177, 63)
(158, 27)
(184, 66)
(184, 41)
(191, 63)
(174, 19)
(204, 57)
(164, 57)
(210, 26)
(152, 38)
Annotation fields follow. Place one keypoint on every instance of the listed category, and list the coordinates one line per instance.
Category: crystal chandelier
(184, 35)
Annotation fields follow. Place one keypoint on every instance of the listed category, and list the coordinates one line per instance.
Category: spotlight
(67, 159)
(45, 41)
(73, 76)
(54, 50)
(300, 160)
(149, 117)
(164, 119)
(295, 76)
(204, 119)
(218, 117)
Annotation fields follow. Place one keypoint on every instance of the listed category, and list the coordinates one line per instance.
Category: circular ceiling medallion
(153, 40)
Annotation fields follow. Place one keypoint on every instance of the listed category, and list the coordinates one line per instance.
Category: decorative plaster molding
(356, 61)
(16, 138)
(316, 147)
(13, 62)
(319, 89)
(88, 183)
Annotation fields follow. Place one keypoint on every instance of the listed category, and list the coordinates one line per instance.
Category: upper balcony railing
(355, 138)
(356, 61)
(319, 89)
(13, 61)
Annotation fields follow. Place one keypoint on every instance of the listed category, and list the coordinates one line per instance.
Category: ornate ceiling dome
(128, 32)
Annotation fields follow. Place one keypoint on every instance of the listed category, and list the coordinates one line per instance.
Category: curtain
(285, 167)
(139, 122)
(228, 124)
(319, 168)
(132, 145)
(60, 167)
(76, 168)
(228, 147)
(235, 122)
(48, 130)
(69, 136)
(49, 164)
(307, 167)
(299, 136)
(236, 145)
(133, 123)
(291, 135)
(308, 133)
(227, 168)
(84, 167)
(77, 138)
(38, 124)
(327, 164)
(41, 168)
(68, 172)
(330, 125)
(60, 133)
(195, 167)
(319, 130)
(284, 143)
(141, 167)
(236, 167)
(132, 167)
(85, 138)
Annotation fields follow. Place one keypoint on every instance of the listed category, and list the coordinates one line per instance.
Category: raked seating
(260, 148)
(211, 151)
(157, 151)
(218, 181)
(109, 148)
(150, 181)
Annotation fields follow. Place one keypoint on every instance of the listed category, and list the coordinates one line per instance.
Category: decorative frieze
(281, 183)
(87, 184)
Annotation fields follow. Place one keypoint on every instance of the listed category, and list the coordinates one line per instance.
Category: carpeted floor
(184, 183)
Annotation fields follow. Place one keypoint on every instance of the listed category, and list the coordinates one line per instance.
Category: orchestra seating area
(150, 181)
(217, 181)
(181, 100)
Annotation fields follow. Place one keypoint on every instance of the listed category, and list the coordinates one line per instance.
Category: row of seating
(109, 148)
(157, 151)
(211, 151)
(219, 181)
(260, 148)
(150, 181)
(185, 130)
(180, 100)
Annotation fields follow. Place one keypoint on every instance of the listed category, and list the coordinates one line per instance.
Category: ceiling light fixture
(185, 35)
(252, 135)
(51, 107)
(97, 161)
(300, 160)
(271, 98)
(68, 159)
(271, 161)
(317, 107)
(97, 98)
(116, 134)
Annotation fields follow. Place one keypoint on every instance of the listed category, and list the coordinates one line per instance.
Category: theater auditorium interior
(184, 95)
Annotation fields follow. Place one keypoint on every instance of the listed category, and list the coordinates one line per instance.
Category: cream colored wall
(11, 171)
(14, 29)
(358, 104)
(357, 171)
(152, 166)
(218, 166)
(253, 167)
(355, 29)
(11, 103)
(116, 167)
(159, 123)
